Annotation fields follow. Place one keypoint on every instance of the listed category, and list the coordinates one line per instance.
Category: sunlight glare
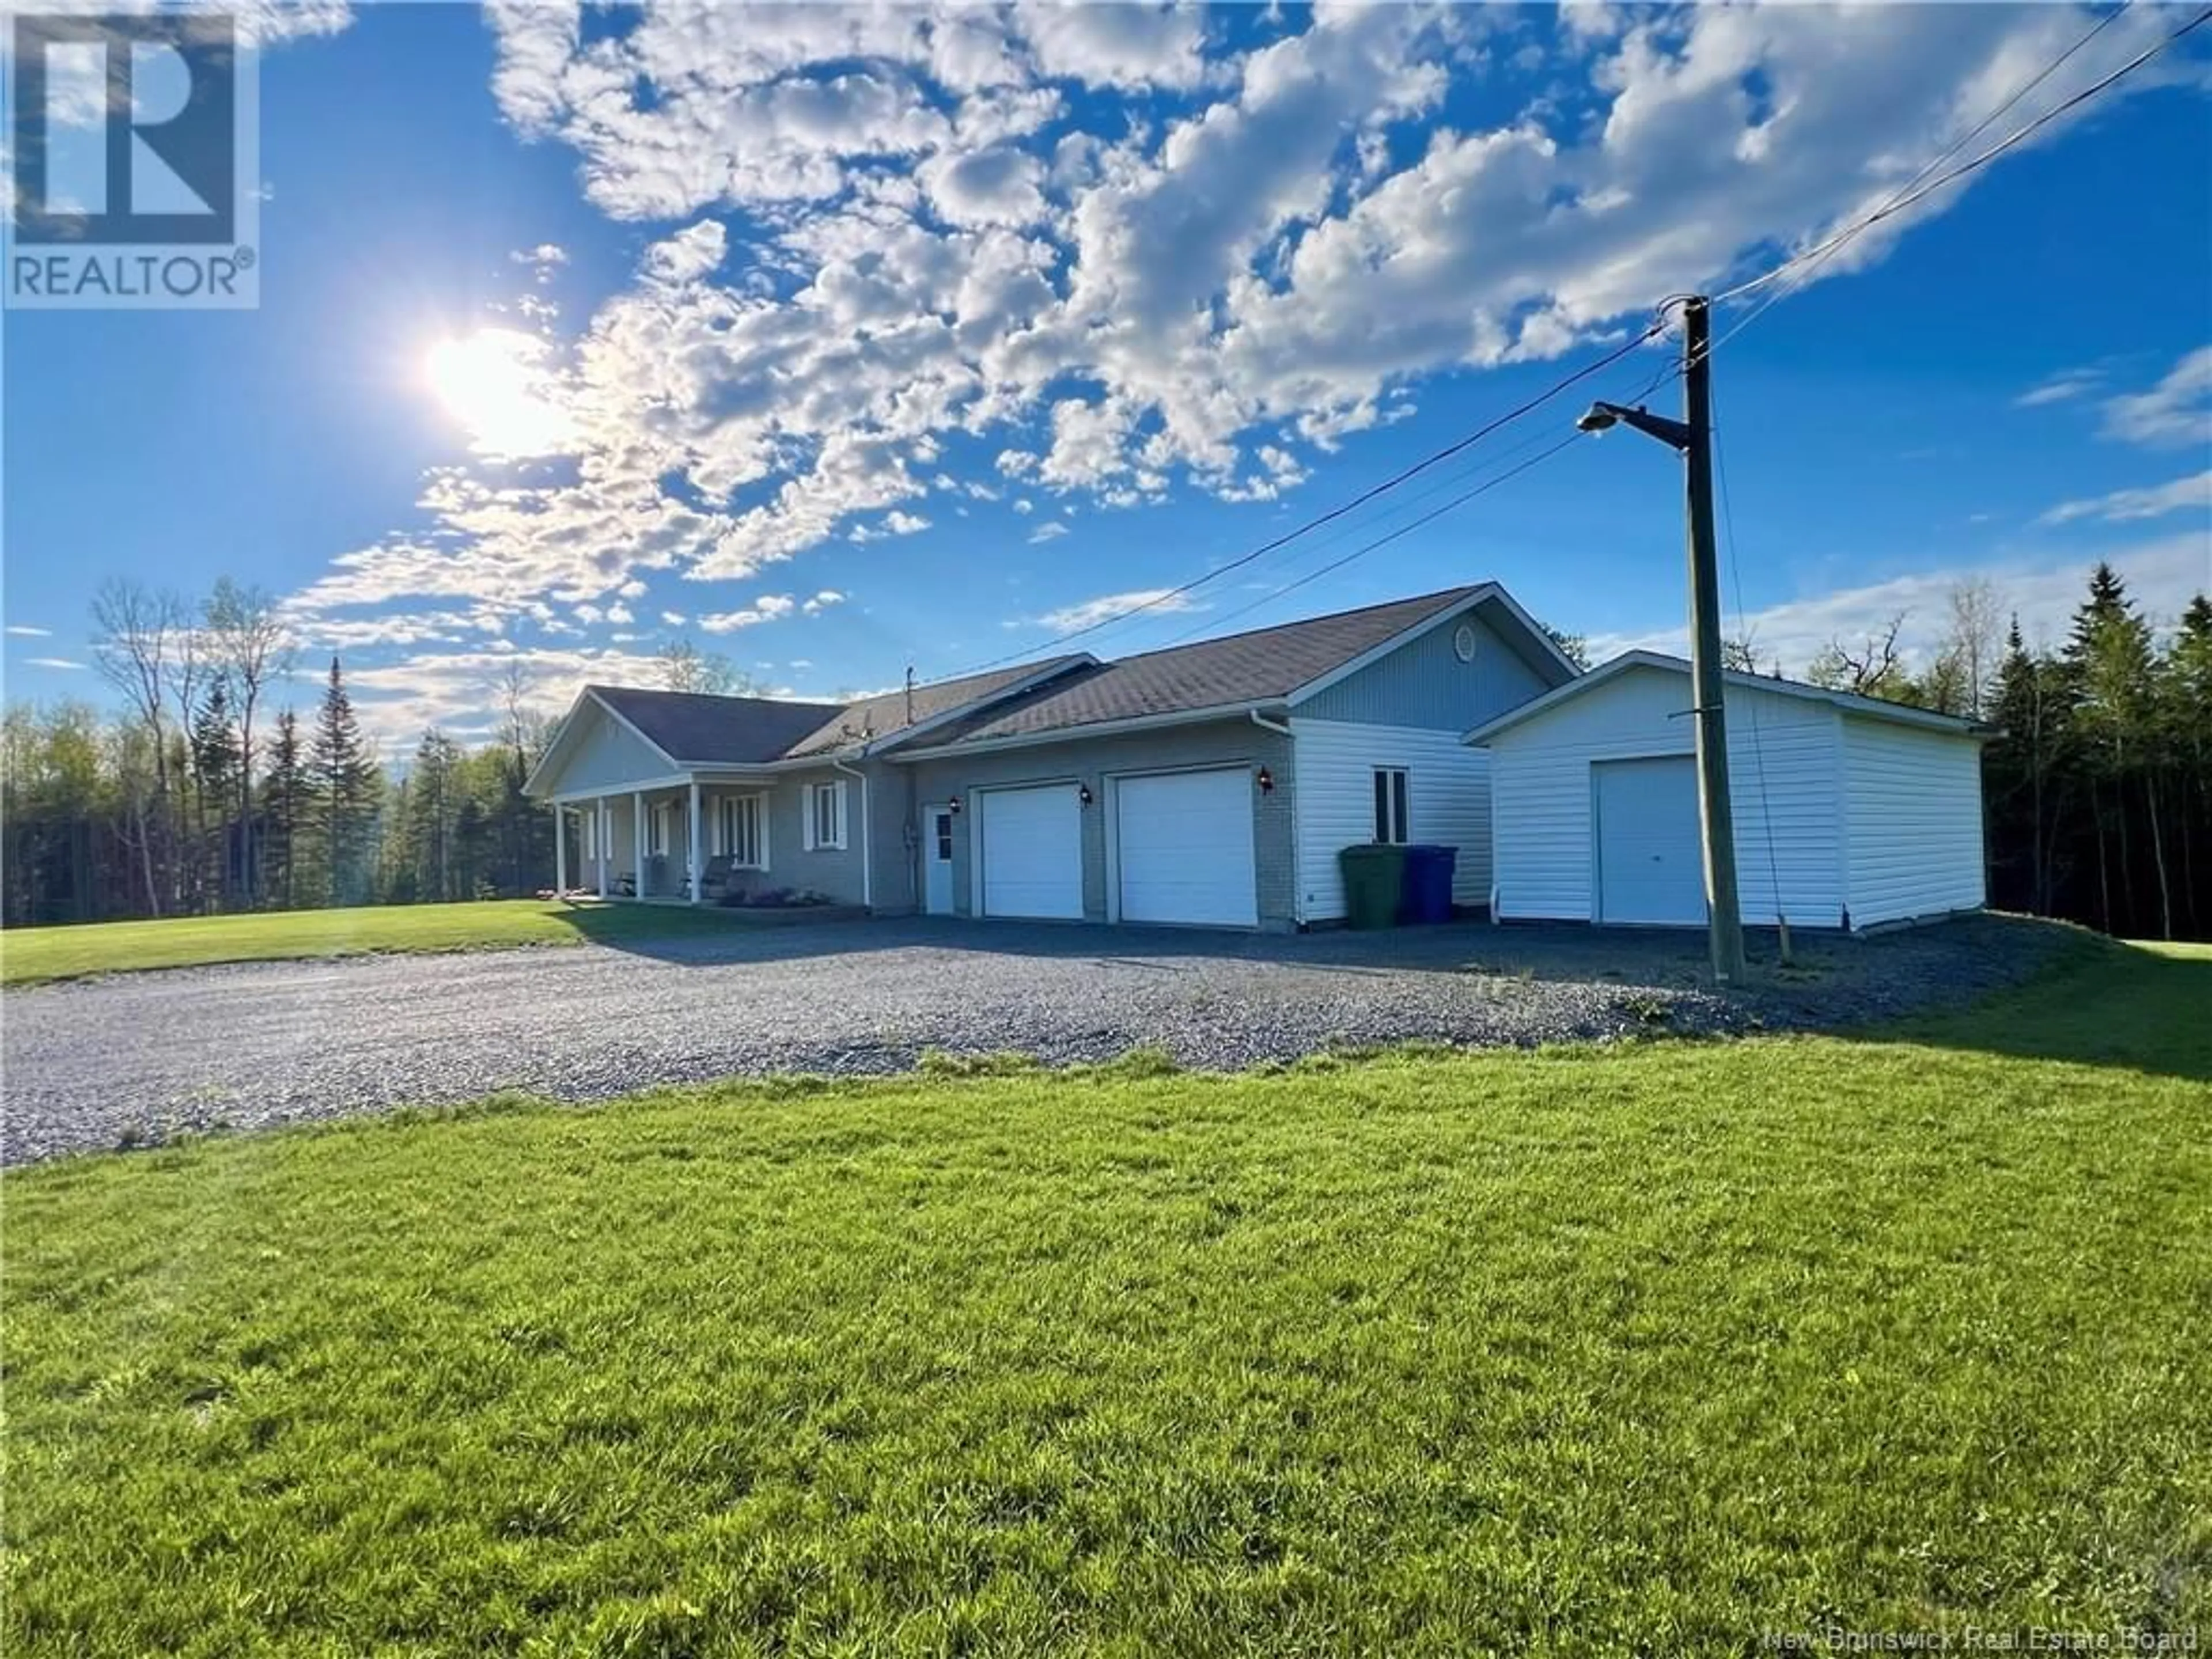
(497, 384)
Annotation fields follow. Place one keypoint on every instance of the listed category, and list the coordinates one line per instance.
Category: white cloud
(2177, 410)
(2151, 502)
(1130, 47)
(2067, 384)
(24, 630)
(674, 618)
(769, 607)
(2162, 575)
(542, 262)
(1155, 601)
(1051, 532)
(1149, 286)
(51, 662)
(822, 601)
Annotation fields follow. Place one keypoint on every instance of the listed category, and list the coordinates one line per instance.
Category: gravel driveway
(136, 1057)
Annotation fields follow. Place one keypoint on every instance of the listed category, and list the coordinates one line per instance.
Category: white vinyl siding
(825, 817)
(737, 828)
(1913, 819)
(1447, 801)
(1785, 764)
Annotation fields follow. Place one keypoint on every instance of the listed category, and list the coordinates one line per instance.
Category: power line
(1402, 505)
(1154, 601)
(1815, 258)
(1927, 187)
(1921, 186)
(1361, 551)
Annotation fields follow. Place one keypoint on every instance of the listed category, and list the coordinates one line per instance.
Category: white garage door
(1651, 868)
(1032, 853)
(1184, 849)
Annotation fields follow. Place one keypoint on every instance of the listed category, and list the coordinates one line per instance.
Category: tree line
(189, 798)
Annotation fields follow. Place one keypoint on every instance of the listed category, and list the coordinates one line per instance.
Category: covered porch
(692, 839)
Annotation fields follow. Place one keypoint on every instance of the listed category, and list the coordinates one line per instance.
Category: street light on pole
(1691, 437)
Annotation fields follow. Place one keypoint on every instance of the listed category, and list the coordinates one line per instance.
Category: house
(1848, 812)
(1209, 784)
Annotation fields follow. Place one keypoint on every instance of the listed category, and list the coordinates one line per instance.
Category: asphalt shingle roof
(1264, 665)
(1074, 691)
(889, 713)
(715, 731)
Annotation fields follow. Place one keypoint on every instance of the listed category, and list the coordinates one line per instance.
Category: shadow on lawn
(2103, 1002)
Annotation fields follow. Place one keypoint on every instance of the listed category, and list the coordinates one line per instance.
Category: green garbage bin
(1374, 883)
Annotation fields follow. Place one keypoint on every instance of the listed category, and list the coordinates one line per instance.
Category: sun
(496, 383)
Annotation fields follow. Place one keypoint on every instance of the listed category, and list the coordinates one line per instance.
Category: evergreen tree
(214, 768)
(284, 799)
(2107, 668)
(344, 779)
(2021, 777)
(434, 798)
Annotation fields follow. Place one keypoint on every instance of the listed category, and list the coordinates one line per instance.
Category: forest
(187, 795)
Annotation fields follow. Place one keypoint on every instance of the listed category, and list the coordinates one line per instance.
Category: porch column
(692, 845)
(560, 849)
(603, 825)
(637, 842)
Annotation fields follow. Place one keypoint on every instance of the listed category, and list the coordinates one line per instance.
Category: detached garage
(1848, 812)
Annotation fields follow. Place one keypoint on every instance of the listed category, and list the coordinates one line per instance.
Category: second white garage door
(1032, 853)
(1183, 843)
(1649, 862)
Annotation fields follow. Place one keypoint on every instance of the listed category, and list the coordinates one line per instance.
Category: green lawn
(1648, 1350)
(29, 954)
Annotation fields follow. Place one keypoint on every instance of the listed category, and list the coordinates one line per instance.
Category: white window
(656, 830)
(825, 816)
(588, 828)
(1390, 814)
(737, 829)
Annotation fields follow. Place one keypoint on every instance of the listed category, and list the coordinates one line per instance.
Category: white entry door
(937, 859)
(1030, 853)
(1650, 865)
(1183, 848)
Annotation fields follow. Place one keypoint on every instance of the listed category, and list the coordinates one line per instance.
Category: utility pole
(1691, 437)
(1707, 664)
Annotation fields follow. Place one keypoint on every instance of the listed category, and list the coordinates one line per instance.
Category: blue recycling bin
(1428, 891)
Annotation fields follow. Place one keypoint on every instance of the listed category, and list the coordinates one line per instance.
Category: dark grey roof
(1265, 666)
(880, 716)
(1063, 693)
(691, 727)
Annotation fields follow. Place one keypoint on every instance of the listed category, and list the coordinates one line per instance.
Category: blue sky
(853, 339)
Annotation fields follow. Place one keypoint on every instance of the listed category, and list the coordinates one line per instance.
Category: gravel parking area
(136, 1057)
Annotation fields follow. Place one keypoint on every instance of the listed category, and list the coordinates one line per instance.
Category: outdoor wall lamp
(1265, 781)
(1083, 793)
(953, 806)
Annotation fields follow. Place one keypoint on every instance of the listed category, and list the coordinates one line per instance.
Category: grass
(1653, 1348)
(29, 955)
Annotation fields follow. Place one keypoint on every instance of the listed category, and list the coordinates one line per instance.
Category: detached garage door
(1184, 846)
(1651, 866)
(1032, 853)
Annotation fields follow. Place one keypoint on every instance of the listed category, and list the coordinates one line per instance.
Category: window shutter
(806, 818)
(837, 811)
